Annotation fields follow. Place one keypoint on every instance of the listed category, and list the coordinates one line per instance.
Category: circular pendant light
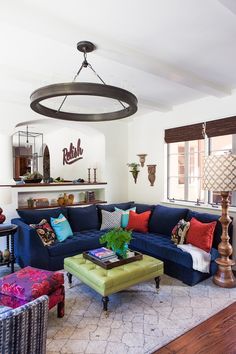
(127, 100)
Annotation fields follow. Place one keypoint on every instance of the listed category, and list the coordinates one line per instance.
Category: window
(185, 164)
(186, 158)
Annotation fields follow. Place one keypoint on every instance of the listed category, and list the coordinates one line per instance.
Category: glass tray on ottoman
(109, 265)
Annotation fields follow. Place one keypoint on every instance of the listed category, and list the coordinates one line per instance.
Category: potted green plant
(117, 239)
(134, 169)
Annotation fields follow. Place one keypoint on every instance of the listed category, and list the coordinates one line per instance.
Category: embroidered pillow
(138, 222)
(179, 232)
(61, 227)
(45, 232)
(125, 216)
(110, 220)
(201, 234)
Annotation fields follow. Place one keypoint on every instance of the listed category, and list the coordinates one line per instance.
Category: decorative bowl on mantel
(34, 180)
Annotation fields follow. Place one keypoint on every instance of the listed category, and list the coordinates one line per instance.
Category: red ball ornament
(2, 217)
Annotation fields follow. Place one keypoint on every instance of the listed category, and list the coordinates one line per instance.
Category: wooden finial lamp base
(224, 276)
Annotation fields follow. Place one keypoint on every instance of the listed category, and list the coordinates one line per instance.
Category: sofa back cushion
(207, 218)
(37, 215)
(83, 218)
(164, 219)
(141, 208)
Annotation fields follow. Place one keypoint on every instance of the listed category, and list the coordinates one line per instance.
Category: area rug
(140, 320)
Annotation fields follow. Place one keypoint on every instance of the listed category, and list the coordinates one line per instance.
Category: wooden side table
(9, 232)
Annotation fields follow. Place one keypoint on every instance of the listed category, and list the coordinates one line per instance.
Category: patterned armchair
(24, 330)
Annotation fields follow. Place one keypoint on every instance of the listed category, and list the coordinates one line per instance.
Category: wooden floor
(217, 335)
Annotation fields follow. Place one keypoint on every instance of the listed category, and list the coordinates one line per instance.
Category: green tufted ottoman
(107, 282)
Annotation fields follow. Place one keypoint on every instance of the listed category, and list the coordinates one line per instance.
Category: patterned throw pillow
(45, 232)
(110, 219)
(179, 232)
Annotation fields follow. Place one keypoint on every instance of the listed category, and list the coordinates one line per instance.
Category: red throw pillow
(138, 222)
(201, 234)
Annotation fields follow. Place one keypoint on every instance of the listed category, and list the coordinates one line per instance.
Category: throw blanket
(201, 259)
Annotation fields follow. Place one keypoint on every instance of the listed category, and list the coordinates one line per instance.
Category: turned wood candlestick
(94, 175)
(89, 175)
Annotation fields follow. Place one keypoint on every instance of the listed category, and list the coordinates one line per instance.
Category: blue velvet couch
(85, 223)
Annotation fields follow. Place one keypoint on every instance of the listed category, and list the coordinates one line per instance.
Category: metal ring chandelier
(84, 89)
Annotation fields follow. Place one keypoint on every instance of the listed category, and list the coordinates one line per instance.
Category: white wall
(146, 135)
(93, 146)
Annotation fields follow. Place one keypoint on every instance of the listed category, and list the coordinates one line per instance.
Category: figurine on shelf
(65, 199)
(6, 255)
(70, 200)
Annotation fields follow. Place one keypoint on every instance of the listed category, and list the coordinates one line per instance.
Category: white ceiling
(166, 52)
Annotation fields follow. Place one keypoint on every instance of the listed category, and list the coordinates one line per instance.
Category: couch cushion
(201, 234)
(61, 227)
(111, 220)
(179, 232)
(141, 208)
(35, 216)
(206, 218)
(83, 218)
(45, 232)
(164, 219)
(124, 216)
(111, 207)
(79, 242)
(138, 222)
(161, 247)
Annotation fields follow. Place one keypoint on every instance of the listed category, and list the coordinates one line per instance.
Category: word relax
(73, 154)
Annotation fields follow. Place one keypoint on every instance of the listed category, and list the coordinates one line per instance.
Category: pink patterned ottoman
(30, 283)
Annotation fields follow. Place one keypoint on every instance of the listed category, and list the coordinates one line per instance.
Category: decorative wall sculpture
(151, 174)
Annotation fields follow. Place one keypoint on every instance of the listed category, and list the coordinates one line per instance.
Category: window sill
(193, 205)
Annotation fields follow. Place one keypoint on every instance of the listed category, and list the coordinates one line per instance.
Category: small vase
(135, 175)
(122, 252)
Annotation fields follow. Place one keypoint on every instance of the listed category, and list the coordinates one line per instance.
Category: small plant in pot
(117, 240)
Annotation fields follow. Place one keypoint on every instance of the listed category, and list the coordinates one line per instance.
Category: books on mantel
(104, 254)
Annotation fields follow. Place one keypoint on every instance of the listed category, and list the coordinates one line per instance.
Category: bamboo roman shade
(197, 131)
(219, 127)
(185, 133)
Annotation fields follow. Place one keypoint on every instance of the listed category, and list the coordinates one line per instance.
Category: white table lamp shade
(220, 173)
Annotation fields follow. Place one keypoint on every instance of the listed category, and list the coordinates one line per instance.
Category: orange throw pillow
(201, 234)
(138, 222)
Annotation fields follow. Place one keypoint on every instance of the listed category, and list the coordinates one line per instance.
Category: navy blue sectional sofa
(85, 223)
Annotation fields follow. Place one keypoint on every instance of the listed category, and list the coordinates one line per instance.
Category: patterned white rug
(140, 320)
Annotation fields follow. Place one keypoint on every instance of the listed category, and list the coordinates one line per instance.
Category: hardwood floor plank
(216, 335)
